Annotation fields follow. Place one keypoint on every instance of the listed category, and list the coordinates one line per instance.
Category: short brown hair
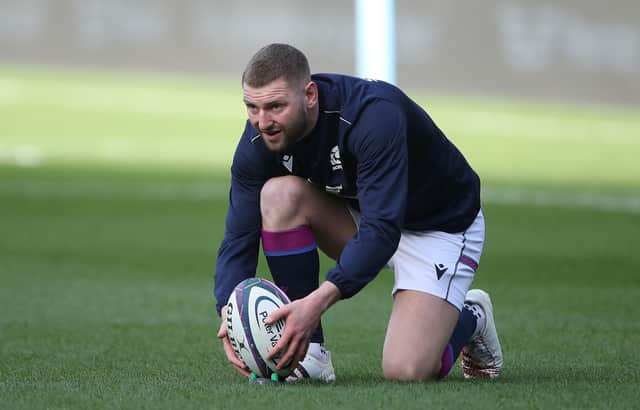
(276, 61)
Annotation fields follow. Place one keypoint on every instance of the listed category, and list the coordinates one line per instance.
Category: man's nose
(264, 120)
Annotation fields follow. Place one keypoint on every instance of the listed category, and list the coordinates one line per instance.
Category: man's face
(279, 112)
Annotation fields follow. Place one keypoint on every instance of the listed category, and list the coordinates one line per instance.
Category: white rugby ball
(250, 304)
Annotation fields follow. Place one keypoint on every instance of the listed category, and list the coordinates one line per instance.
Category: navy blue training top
(373, 146)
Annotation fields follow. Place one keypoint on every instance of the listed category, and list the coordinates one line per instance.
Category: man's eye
(276, 107)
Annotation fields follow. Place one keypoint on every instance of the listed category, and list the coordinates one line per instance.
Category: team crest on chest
(334, 158)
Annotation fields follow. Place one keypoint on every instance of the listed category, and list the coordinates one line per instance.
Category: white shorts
(439, 263)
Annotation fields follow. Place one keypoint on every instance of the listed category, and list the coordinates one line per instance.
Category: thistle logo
(334, 158)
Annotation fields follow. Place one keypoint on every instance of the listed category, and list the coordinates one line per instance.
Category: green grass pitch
(112, 200)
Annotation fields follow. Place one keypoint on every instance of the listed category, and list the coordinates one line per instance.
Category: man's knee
(280, 199)
(397, 370)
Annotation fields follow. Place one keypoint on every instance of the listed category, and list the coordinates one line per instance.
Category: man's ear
(311, 94)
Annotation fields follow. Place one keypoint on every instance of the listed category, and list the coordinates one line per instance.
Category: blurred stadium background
(118, 120)
(568, 50)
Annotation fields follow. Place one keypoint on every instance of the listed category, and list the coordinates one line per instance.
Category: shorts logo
(440, 270)
(334, 158)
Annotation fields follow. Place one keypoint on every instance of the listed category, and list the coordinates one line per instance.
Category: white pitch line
(205, 191)
(21, 155)
(168, 191)
(627, 203)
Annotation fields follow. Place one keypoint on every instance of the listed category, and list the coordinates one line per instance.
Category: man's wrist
(326, 295)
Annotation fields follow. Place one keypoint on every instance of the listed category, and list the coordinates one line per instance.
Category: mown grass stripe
(217, 190)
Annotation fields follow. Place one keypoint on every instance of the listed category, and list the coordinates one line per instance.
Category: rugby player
(356, 168)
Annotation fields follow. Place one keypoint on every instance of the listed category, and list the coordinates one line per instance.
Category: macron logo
(440, 270)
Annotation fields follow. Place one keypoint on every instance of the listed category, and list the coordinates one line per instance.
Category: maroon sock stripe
(290, 241)
(447, 362)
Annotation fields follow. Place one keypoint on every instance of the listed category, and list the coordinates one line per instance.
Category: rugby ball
(249, 305)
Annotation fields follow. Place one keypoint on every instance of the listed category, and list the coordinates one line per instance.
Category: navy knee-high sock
(463, 331)
(292, 257)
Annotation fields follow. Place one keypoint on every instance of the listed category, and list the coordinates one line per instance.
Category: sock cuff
(479, 314)
(447, 362)
(288, 242)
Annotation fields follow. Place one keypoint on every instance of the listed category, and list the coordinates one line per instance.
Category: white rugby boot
(482, 355)
(316, 365)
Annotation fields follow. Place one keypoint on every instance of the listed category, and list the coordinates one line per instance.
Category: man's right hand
(228, 349)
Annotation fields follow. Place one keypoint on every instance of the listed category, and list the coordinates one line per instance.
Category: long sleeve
(378, 142)
(238, 252)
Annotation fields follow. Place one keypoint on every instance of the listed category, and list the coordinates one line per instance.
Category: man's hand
(228, 349)
(302, 316)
